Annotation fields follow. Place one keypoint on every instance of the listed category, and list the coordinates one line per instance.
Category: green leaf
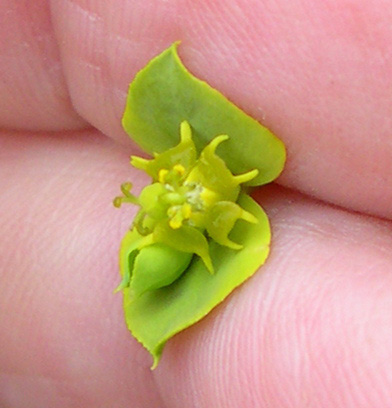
(164, 94)
(157, 315)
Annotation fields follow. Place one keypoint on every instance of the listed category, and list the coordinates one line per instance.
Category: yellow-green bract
(197, 234)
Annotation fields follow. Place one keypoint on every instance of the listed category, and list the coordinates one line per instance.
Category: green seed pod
(157, 266)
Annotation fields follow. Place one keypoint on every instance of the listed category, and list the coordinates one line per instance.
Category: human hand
(312, 327)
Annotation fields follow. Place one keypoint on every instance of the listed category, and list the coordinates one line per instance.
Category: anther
(186, 211)
(179, 169)
(128, 196)
(175, 216)
(117, 202)
(162, 175)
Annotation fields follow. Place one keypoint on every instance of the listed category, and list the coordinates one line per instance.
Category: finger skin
(63, 339)
(33, 91)
(312, 327)
(316, 73)
(314, 322)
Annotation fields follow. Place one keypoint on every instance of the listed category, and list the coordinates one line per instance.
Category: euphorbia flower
(197, 234)
(188, 196)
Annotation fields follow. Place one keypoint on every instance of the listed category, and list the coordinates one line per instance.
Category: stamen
(175, 223)
(126, 189)
(128, 196)
(208, 197)
(176, 217)
(117, 202)
(179, 168)
(186, 211)
(121, 200)
(162, 175)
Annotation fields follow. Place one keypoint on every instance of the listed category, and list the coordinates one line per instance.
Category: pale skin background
(313, 327)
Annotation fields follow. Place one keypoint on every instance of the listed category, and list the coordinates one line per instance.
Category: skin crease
(312, 328)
